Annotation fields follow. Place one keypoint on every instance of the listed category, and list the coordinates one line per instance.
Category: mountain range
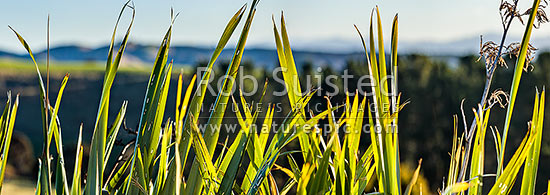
(138, 54)
(332, 53)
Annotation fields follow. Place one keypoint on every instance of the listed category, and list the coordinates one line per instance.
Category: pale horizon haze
(200, 23)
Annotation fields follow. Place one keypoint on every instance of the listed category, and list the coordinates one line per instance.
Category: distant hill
(4, 54)
(137, 54)
(454, 47)
(333, 52)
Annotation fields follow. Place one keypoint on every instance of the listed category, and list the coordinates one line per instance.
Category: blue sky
(90, 23)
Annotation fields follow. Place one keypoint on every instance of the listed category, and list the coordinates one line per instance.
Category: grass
(23, 187)
(330, 164)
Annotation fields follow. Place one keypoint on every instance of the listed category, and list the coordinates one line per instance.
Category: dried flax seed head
(541, 16)
(513, 50)
(489, 51)
(498, 97)
(508, 10)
